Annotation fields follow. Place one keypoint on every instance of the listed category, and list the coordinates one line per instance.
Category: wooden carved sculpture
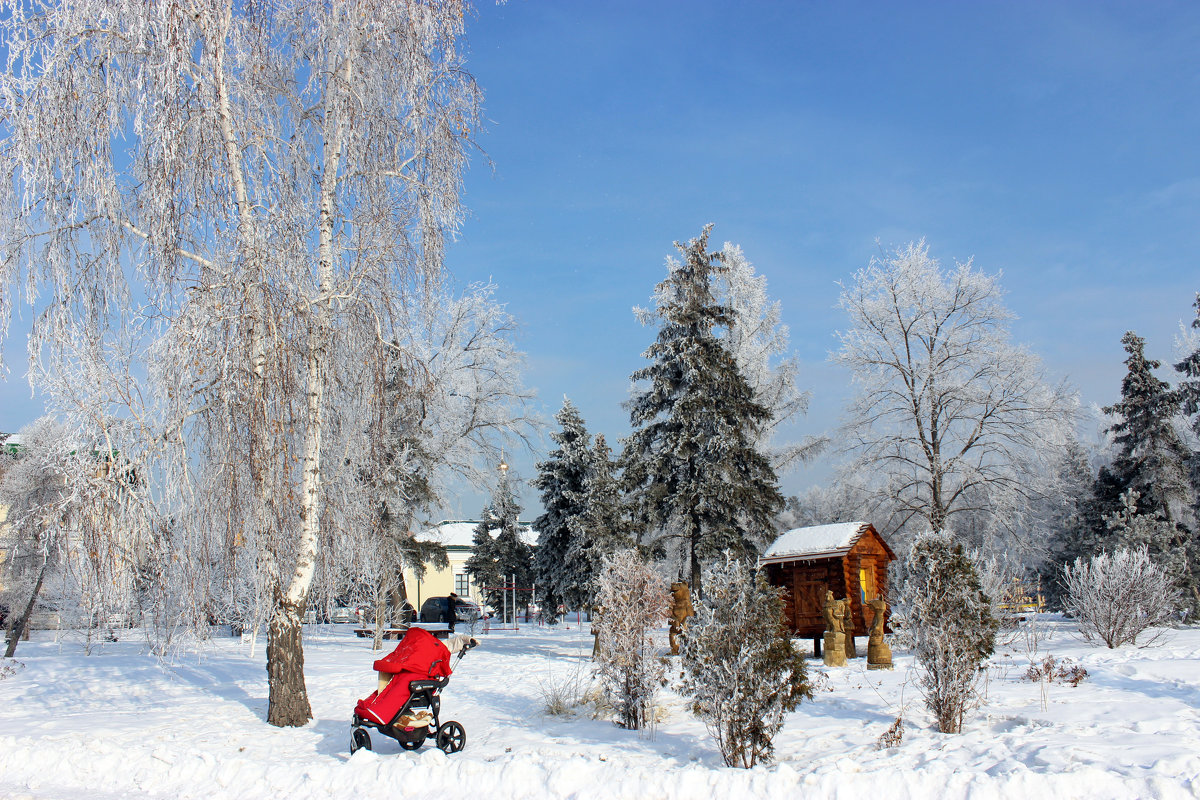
(879, 655)
(834, 612)
(681, 609)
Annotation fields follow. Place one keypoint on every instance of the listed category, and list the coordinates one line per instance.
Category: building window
(462, 584)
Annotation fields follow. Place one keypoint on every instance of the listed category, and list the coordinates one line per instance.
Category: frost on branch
(1116, 597)
(633, 601)
(949, 620)
(951, 418)
(739, 666)
(223, 283)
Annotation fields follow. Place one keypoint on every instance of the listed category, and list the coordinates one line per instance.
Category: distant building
(457, 537)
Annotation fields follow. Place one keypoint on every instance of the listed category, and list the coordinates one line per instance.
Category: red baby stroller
(406, 704)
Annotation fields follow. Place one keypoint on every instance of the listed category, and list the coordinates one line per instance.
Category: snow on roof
(818, 541)
(461, 533)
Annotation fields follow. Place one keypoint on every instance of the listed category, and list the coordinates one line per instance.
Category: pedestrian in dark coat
(452, 610)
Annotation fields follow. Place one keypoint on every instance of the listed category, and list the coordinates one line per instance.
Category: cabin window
(866, 583)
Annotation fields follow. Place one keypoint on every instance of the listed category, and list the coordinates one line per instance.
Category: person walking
(452, 610)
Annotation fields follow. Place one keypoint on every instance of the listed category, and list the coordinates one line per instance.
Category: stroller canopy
(418, 652)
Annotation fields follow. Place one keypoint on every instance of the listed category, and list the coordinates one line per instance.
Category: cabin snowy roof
(818, 541)
(461, 533)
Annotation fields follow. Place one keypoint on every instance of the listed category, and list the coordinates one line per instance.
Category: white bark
(216, 293)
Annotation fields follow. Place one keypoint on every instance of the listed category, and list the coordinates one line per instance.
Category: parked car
(435, 610)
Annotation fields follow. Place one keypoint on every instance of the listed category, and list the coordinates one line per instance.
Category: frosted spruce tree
(950, 415)
(1152, 461)
(562, 480)
(1151, 458)
(499, 557)
(220, 208)
(739, 666)
(949, 619)
(601, 530)
(1067, 513)
(1189, 396)
(702, 486)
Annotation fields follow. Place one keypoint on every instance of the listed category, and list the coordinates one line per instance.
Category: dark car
(434, 610)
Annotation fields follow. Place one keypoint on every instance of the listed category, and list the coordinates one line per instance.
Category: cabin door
(809, 592)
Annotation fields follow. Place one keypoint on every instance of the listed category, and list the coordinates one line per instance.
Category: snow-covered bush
(1116, 597)
(950, 625)
(739, 666)
(1051, 669)
(632, 600)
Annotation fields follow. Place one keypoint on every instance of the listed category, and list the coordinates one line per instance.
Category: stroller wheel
(359, 740)
(451, 737)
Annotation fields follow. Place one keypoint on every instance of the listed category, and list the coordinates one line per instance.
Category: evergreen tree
(739, 666)
(498, 555)
(1189, 367)
(561, 479)
(1189, 397)
(1151, 457)
(949, 617)
(601, 530)
(1070, 518)
(691, 458)
(1152, 461)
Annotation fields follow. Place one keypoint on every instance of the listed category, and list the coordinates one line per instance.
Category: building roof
(818, 541)
(461, 533)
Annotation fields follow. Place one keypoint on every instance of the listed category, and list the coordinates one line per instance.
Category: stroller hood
(419, 652)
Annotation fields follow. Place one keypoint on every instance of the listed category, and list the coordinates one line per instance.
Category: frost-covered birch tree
(220, 208)
(35, 494)
(950, 417)
(760, 344)
(452, 397)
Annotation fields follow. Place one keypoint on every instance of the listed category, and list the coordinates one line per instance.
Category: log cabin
(849, 559)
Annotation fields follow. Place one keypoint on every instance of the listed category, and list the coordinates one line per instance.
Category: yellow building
(456, 536)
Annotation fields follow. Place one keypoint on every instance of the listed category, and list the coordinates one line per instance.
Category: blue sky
(1055, 142)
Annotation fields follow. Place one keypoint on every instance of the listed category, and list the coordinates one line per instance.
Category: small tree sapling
(951, 625)
(739, 666)
(632, 600)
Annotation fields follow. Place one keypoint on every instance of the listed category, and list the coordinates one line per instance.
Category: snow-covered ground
(120, 724)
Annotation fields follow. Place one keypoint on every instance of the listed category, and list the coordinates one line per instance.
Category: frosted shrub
(565, 690)
(632, 601)
(1117, 597)
(952, 629)
(739, 666)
